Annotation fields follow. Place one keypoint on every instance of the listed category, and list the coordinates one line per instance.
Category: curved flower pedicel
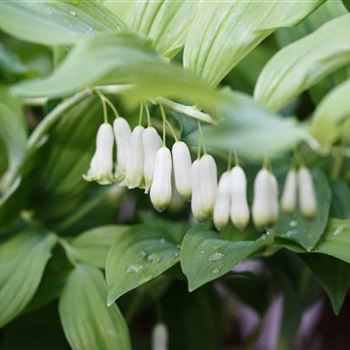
(239, 205)
(122, 135)
(152, 142)
(161, 190)
(101, 165)
(307, 199)
(182, 169)
(223, 201)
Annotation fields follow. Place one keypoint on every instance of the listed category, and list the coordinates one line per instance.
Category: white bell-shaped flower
(289, 195)
(101, 165)
(239, 205)
(263, 194)
(196, 201)
(161, 190)
(208, 183)
(182, 169)
(274, 208)
(135, 163)
(152, 142)
(223, 200)
(160, 337)
(307, 198)
(122, 134)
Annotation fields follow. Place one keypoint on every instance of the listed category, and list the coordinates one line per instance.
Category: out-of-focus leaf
(340, 205)
(222, 33)
(92, 246)
(249, 129)
(336, 240)
(87, 321)
(23, 260)
(296, 227)
(330, 114)
(139, 255)
(296, 67)
(55, 22)
(205, 256)
(123, 58)
(333, 274)
(165, 22)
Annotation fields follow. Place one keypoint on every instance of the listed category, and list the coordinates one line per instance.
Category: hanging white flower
(289, 195)
(182, 169)
(152, 142)
(222, 204)
(160, 337)
(239, 204)
(196, 201)
(101, 165)
(307, 198)
(274, 199)
(263, 194)
(122, 134)
(208, 183)
(135, 163)
(161, 190)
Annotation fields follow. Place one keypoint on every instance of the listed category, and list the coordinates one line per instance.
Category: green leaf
(336, 240)
(333, 275)
(22, 260)
(249, 129)
(123, 58)
(340, 205)
(205, 256)
(87, 321)
(55, 22)
(139, 255)
(222, 33)
(296, 67)
(165, 22)
(92, 246)
(296, 227)
(330, 114)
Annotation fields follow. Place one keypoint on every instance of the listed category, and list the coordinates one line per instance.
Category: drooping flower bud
(161, 186)
(135, 162)
(208, 183)
(196, 201)
(152, 142)
(223, 201)
(122, 134)
(160, 337)
(307, 198)
(263, 193)
(239, 204)
(273, 200)
(289, 195)
(182, 169)
(101, 165)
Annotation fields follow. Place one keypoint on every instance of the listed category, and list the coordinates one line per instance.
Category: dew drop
(201, 252)
(154, 258)
(134, 268)
(217, 270)
(143, 253)
(293, 223)
(216, 256)
(339, 230)
(72, 13)
(176, 254)
(162, 241)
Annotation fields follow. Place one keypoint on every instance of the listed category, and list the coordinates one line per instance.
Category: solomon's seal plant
(151, 149)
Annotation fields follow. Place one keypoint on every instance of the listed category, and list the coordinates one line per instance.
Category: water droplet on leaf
(216, 256)
(134, 268)
(72, 13)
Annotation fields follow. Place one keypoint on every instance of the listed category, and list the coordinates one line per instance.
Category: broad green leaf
(336, 240)
(297, 228)
(205, 256)
(165, 22)
(296, 67)
(139, 255)
(249, 129)
(340, 205)
(92, 246)
(87, 321)
(333, 275)
(122, 58)
(55, 22)
(222, 33)
(330, 114)
(22, 260)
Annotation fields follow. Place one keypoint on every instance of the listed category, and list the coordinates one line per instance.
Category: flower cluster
(144, 161)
